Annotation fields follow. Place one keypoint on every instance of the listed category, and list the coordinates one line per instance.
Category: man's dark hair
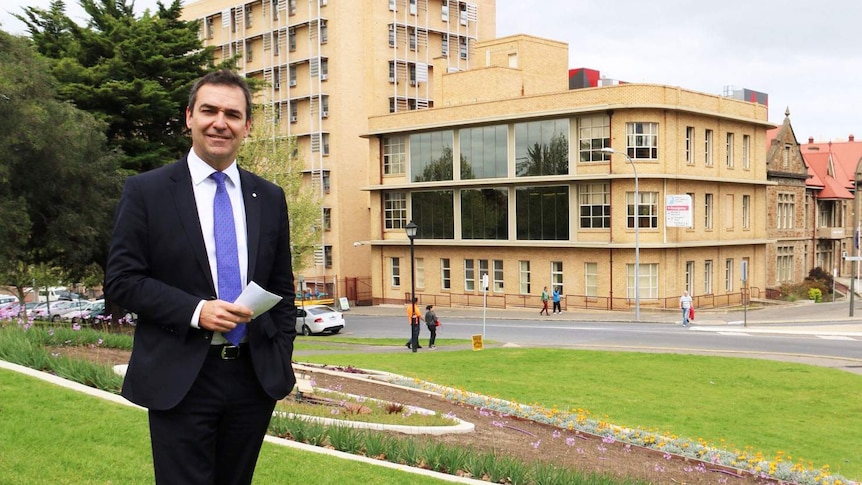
(222, 77)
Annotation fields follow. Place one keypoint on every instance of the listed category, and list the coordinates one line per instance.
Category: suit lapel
(252, 218)
(187, 211)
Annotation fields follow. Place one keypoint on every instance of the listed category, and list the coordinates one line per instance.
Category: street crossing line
(835, 337)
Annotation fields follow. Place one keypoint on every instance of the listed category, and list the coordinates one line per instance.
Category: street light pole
(611, 151)
(411, 230)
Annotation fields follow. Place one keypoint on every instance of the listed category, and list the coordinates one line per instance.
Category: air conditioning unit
(293, 118)
(292, 82)
(323, 77)
(391, 79)
(324, 113)
(412, 82)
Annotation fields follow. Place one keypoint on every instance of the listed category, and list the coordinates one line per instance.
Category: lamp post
(411, 230)
(611, 151)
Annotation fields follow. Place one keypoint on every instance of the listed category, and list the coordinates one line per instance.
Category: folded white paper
(258, 299)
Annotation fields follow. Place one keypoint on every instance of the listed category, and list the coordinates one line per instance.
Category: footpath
(803, 317)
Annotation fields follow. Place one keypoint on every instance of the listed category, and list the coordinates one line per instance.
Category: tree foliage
(58, 178)
(546, 159)
(274, 157)
(132, 73)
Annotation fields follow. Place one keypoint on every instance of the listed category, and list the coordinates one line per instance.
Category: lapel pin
(254, 194)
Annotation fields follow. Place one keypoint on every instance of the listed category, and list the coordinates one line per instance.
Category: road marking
(835, 337)
(734, 333)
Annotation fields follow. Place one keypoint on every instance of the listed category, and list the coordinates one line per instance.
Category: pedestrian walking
(544, 301)
(686, 306)
(556, 298)
(432, 323)
(415, 317)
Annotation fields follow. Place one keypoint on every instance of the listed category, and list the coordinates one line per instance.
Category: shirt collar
(201, 170)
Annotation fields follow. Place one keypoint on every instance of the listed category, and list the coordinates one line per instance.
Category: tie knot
(219, 177)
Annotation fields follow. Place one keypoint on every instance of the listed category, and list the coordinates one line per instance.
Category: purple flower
(570, 441)
(536, 444)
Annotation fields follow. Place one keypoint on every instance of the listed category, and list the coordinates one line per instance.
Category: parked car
(58, 308)
(318, 319)
(84, 313)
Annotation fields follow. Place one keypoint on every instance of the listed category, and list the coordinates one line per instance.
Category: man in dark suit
(208, 370)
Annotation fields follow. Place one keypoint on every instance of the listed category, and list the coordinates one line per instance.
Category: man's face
(218, 123)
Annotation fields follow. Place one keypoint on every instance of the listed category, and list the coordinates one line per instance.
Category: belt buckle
(229, 352)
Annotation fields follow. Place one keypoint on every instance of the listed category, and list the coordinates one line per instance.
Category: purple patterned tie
(227, 258)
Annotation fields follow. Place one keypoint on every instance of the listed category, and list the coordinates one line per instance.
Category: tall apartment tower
(328, 65)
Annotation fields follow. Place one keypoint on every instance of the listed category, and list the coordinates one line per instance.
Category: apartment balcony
(830, 233)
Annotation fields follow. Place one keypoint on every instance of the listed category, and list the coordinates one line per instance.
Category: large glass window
(431, 156)
(594, 133)
(542, 148)
(557, 276)
(786, 208)
(642, 141)
(594, 205)
(395, 210)
(647, 210)
(485, 214)
(483, 152)
(394, 155)
(433, 212)
(542, 213)
(784, 264)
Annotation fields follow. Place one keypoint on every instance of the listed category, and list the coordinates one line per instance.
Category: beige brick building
(534, 202)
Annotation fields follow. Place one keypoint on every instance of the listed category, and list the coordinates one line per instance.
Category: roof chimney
(851, 137)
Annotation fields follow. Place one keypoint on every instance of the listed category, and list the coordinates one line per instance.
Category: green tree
(550, 159)
(132, 73)
(58, 179)
(274, 157)
(439, 169)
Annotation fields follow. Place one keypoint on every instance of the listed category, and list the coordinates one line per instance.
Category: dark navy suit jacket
(158, 268)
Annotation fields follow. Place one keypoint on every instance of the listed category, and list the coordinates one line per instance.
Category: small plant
(815, 294)
(346, 439)
(394, 408)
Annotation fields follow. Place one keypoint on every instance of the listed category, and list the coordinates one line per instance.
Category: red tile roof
(845, 156)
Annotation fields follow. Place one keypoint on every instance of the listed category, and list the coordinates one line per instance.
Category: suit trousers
(214, 435)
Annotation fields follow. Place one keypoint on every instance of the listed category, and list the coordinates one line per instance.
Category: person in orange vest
(414, 314)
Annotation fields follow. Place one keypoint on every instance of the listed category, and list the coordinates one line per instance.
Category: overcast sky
(802, 54)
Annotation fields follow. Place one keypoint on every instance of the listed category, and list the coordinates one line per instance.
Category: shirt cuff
(196, 316)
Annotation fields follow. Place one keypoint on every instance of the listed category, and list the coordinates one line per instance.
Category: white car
(318, 319)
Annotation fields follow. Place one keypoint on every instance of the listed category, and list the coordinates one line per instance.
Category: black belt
(228, 351)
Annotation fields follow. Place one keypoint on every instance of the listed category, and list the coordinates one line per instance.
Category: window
(210, 28)
(412, 7)
(591, 279)
(434, 213)
(395, 272)
(746, 152)
(691, 194)
(445, 274)
(483, 270)
(484, 152)
(394, 155)
(746, 212)
(325, 143)
(327, 256)
(249, 51)
(785, 161)
(324, 69)
(707, 211)
(647, 281)
(728, 275)
(291, 9)
(420, 272)
(444, 10)
(392, 5)
(276, 44)
(391, 35)
(411, 32)
(274, 11)
(485, 214)
(707, 148)
(411, 73)
(728, 211)
(594, 204)
(444, 45)
(291, 72)
(642, 141)
(786, 209)
(707, 277)
(542, 148)
(431, 156)
(689, 145)
(524, 277)
(594, 133)
(293, 112)
(784, 264)
(498, 276)
(327, 218)
(395, 210)
(729, 150)
(542, 213)
(249, 16)
(557, 276)
(462, 41)
(469, 275)
(689, 277)
(291, 41)
(324, 32)
(647, 216)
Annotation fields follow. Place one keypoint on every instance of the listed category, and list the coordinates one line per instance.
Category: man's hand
(221, 316)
